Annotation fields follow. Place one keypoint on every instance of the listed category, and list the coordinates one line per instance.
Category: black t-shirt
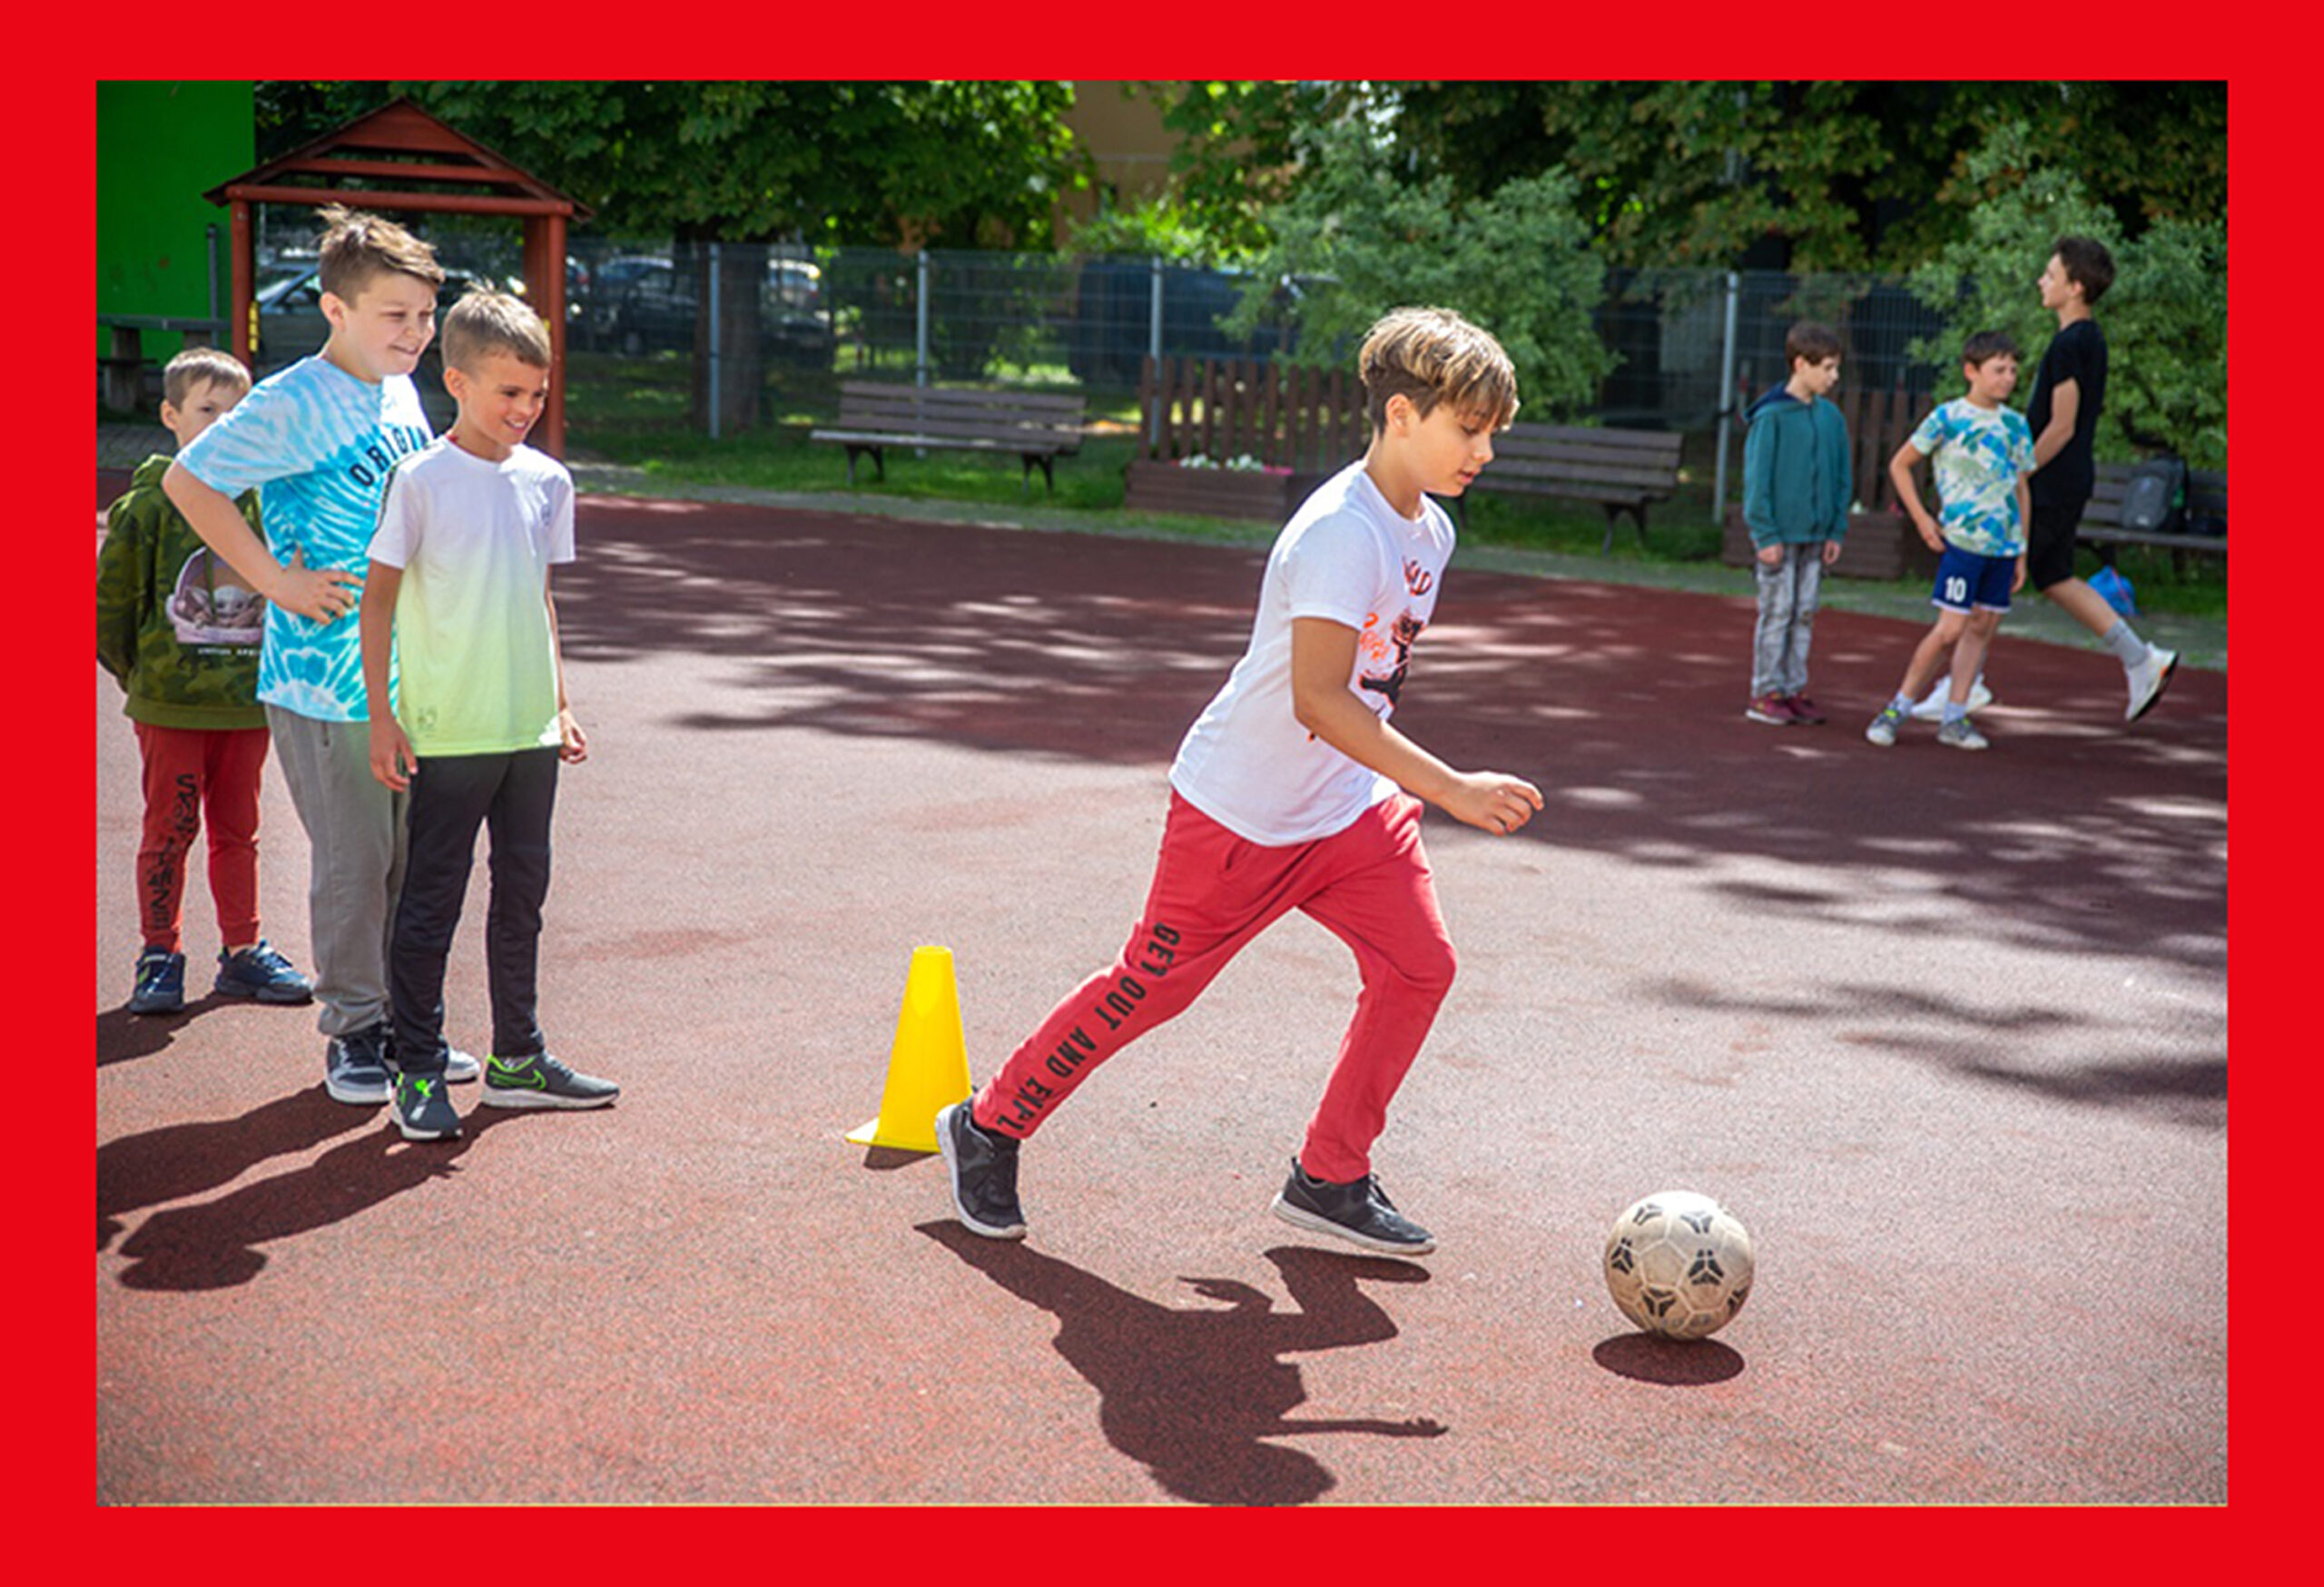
(2077, 353)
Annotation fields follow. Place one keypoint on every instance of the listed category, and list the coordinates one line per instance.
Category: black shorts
(2049, 543)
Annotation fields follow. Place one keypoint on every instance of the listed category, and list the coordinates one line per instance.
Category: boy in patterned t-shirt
(318, 440)
(1982, 452)
(458, 594)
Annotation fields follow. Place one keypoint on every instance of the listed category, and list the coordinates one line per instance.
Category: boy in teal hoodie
(179, 631)
(1796, 485)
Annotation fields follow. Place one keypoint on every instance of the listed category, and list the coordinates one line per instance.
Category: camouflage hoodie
(176, 626)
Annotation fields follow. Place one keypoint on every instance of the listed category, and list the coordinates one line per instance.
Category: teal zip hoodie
(1797, 480)
(177, 627)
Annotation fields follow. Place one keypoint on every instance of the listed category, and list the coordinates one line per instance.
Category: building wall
(1126, 139)
(159, 145)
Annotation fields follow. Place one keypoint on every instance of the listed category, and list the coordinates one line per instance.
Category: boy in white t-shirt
(458, 594)
(1292, 791)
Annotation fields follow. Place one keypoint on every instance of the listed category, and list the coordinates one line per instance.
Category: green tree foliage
(1808, 177)
(2165, 317)
(1364, 237)
(955, 164)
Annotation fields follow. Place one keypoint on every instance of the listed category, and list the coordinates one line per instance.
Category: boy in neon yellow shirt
(458, 593)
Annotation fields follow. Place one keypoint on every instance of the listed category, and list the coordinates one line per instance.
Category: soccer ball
(1678, 1265)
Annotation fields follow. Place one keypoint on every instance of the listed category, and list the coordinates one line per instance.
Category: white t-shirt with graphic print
(1347, 555)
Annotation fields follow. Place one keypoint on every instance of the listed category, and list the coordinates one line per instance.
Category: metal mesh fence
(1038, 319)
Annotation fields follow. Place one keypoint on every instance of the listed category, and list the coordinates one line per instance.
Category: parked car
(654, 309)
(290, 322)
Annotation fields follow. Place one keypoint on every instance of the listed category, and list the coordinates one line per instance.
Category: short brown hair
(1429, 356)
(202, 366)
(484, 321)
(356, 248)
(1811, 340)
(1987, 345)
(2087, 265)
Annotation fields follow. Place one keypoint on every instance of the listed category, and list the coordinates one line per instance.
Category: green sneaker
(1883, 728)
(540, 1081)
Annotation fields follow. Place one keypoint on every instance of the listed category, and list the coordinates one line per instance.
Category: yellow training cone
(927, 1069)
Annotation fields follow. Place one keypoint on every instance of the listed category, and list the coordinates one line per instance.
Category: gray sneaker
(983, 1166)
(540, 1081)
(1882, 729)
(355, 1066)
(423, 1110)
(1959, 734)
(1358, 1212)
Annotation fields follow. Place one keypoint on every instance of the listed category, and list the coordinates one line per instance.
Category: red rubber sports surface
(1947, 1031)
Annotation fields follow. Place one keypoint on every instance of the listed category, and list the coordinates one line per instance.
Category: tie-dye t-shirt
(318, 445)
(1980, 454)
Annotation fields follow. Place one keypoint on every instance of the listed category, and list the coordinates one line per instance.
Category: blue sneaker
(423, 1110)
(355, 1067)
(161, 983)
(262, 973)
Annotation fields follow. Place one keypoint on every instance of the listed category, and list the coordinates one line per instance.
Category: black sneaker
(541, 1081)
(984, 1174)
(161, 983)
(355, 1066)
(1359, 1213)
(423, 1109)
(262, 973)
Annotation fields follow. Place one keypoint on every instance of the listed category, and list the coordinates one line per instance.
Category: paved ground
(1949, 1033)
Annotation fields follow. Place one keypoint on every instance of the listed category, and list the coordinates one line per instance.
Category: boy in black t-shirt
(2069, 390)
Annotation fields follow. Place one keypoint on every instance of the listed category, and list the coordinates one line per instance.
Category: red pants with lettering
(193, 774)
(1213, 892)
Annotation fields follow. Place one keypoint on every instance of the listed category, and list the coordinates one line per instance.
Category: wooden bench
(1622, 470)
(874, 415)
(2102, 519)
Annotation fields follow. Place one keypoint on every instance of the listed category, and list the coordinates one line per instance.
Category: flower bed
(1158, 485)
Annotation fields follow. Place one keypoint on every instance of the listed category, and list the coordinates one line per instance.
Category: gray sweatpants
(355, 832)
(1788, 592)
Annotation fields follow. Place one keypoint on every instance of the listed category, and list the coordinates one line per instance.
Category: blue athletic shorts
(1967, 580)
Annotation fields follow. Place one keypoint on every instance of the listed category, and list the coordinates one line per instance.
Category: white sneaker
(1958, 733)
(2149, 679)
(1932, 707)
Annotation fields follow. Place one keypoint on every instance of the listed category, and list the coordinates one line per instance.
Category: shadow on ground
(1198, 1395)
(2074, 834)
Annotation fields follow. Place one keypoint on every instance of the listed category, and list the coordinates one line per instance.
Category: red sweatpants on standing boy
(192, 774)
(1213, 891)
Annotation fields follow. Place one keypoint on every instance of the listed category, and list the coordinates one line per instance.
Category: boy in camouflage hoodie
(179, 630)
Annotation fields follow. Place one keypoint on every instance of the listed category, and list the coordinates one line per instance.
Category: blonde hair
(484, 321)
(356, 248)
(202, 366)
(1429, 356)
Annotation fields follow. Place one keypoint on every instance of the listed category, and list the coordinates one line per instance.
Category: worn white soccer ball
(1678, 1265)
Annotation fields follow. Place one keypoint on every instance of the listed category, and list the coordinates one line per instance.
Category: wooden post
(242, 322)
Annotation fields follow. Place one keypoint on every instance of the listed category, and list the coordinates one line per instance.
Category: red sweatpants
(1213, 892)
(190, 774)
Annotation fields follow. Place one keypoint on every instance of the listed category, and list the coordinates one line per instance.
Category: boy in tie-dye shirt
(1983, 453)
(317, 441)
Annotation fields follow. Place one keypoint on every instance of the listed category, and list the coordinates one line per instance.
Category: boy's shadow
(213, 1245)
(123, 1036)
(178, 1160)
(1196, 1394)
